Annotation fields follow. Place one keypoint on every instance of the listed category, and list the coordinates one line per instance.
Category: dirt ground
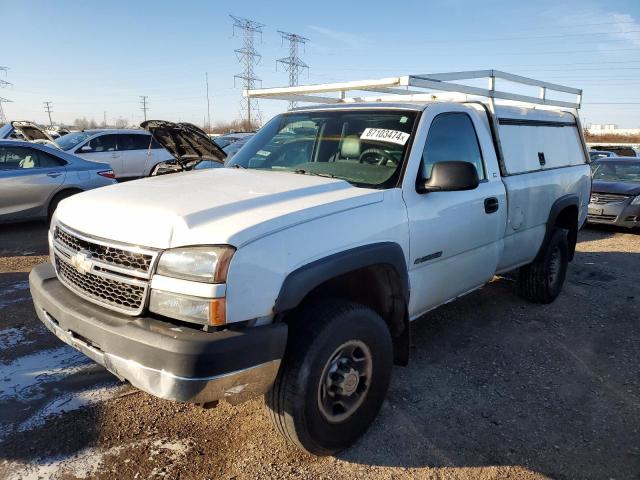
(497, 388)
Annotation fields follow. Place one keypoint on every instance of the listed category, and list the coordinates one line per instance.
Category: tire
(57, 198)
(295, 403)
(542, 280)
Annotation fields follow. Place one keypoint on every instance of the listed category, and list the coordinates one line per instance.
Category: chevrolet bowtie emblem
(82, 261)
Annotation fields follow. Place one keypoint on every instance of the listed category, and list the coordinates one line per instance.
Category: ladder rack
(407, 86)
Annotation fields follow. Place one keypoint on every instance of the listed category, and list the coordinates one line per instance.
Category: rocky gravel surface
(496, 388)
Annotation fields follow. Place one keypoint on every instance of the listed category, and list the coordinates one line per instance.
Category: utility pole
(206, 78)
(104, 118)
(248, 58)
(293, 63)
(144, 108)
(47, 108)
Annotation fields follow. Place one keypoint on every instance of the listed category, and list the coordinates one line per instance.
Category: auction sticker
(384, 135)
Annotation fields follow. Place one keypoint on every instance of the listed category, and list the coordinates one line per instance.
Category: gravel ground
(496, 388)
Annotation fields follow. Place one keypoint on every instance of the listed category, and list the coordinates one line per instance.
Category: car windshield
(222, 141)
(364, 147)
(67, 142)
(622, 171)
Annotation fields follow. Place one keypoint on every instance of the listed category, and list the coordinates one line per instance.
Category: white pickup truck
(296, 271)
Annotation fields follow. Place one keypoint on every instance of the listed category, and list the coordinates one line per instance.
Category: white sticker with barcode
(385, 135)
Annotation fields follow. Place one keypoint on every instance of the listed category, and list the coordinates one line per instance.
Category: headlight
(201, 264)
(205, 311)
(636, 201)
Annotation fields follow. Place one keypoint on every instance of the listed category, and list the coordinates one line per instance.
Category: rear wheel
(334, 376)
(542, 280)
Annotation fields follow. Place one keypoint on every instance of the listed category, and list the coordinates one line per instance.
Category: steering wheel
(370, 152)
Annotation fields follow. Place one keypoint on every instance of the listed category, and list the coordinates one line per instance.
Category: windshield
(222, 141)
(67, 142)
(363, 147)
(623, 171)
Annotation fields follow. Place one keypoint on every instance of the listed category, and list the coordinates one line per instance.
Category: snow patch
(22, 378)
(87, 462)
(10, 337)
(21, 287)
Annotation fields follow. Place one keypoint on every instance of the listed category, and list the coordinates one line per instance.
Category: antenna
(144, 107)
(248, 58)
(293, 63)
(47, 108)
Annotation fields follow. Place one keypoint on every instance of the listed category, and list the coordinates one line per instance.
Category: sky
(96, 58)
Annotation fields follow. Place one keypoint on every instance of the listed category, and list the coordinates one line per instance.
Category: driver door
(455, 236)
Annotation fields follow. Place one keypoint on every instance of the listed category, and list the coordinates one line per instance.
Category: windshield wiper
(306, 172)
(237, 165)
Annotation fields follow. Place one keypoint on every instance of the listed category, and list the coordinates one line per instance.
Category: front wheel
(334, 376)
(542, 280)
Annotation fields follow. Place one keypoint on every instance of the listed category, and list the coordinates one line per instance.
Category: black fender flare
(559, 205)
(303, 280)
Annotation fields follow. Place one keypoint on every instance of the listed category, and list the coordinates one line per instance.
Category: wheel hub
(345, 381)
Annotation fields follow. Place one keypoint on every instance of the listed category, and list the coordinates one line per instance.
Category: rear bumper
(175, 363)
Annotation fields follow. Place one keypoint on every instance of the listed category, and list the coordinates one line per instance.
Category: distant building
(611, 128)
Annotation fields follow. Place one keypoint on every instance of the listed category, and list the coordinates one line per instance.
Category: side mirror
(84, 149)
(451, 176)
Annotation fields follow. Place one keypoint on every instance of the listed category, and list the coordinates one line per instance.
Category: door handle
(491, 205)
(53, 174)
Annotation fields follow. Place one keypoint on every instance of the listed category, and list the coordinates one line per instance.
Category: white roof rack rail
(409, 85)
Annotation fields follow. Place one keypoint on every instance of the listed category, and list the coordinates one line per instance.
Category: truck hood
(219, 206)
(622, 188)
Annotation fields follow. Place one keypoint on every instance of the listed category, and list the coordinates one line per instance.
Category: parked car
(131, 153)
(27, 131)
(228, 138)
(619, 150)
(232, 148)
(35, 178)
(296, 270)
(190, 147)
(596, 154)
(615, 193)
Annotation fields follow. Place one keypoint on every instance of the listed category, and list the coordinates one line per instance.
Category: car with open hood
(27, 131)
(615, 192)
(190, 146)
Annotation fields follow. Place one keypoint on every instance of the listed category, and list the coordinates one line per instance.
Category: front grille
(115, 256)
(110, 292)
(608, 218)
(604, 198)
(110, 274)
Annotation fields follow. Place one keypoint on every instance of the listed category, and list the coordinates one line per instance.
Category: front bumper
(171, 362)
(620, 214)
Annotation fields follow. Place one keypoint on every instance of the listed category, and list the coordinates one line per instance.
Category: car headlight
(200, 264)
(636, 201)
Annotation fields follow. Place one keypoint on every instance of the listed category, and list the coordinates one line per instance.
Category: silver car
(35, 178)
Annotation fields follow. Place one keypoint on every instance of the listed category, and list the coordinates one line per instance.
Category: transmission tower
(3, 83)
(293, 63)
(144, 107)
(48, 109)
(248, 58)
(3, 118)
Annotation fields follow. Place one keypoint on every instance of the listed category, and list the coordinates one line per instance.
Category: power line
(144, 108)
(248, 58)
(293, 63)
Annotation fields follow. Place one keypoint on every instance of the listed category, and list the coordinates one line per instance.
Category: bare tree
(121, 122)
(81, 123)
